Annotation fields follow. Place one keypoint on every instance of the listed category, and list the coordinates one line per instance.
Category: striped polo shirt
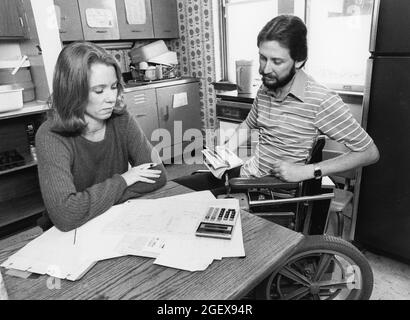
(288, 127)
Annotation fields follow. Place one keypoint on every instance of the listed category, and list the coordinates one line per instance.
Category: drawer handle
(140, 115)
(63, 31)
(166, 115)
(136, 30)
(167, 30)
(101, 31)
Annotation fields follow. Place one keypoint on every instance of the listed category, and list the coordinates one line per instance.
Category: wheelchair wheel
(322, 268)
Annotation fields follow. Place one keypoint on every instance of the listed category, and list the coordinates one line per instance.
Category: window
(338, 36)
(244, 19)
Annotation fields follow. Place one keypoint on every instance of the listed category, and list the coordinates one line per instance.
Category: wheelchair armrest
(200, 171)
(264, 182)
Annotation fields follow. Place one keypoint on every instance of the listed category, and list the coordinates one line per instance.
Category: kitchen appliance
(383, 219)
(230, 113)
(245, 76)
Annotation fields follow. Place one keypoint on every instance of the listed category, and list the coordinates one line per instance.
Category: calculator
(218, 222)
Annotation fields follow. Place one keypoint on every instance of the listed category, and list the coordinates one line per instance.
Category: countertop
(233, 95)
(131, 87)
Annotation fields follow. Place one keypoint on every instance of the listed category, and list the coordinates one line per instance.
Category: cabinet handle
(140, 115)
(136, 31)
(101, 31)
(166, 115)
(21, 22)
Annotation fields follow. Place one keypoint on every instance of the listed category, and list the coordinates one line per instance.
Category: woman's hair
(290, 31)
(71, 86)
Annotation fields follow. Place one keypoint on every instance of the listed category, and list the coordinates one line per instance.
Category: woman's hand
(141, 173)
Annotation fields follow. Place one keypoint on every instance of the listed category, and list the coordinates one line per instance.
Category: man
(290, 111)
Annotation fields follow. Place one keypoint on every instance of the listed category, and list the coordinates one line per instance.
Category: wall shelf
(28, 109)
(29, 163)
(21, 208)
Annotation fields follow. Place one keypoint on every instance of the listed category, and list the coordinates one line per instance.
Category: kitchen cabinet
(20, 197)
(179, 111)
(165, 19)
(142, 105)
(99, 19)
(68, 15)
(135, 19)
(12, 19)
(174, 108)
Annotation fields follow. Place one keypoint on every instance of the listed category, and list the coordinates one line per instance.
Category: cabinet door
(68, 15)
(99, 19)
(11, 19)
(165, 18)
(143, 107)
(179, 111)
(135, 19)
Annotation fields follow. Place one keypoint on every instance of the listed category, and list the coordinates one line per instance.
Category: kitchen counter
(235, 96)
(131, 87)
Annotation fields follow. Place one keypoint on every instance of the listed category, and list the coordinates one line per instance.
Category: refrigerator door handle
(375, 26)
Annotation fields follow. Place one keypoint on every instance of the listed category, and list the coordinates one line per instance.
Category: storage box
(148, 52)
(11, 98)
(22, 79)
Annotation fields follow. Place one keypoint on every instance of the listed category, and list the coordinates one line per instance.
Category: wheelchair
(322, 267)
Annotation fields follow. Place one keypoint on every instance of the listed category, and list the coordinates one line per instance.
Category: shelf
(18, 209)
(29, 163)
(28, 108)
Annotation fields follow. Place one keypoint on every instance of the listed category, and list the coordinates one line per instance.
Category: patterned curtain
(195, 50)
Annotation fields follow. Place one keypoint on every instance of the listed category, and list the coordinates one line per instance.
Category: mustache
(268, 75)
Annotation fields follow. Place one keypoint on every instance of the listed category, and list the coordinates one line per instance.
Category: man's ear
(300, 64)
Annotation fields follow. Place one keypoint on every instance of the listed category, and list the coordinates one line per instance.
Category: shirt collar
(297, 88)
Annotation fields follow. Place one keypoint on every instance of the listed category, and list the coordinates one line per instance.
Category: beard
(279, 83)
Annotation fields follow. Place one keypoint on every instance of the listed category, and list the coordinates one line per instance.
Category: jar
(150, 74)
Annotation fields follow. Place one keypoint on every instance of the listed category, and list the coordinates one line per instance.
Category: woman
(85, 147)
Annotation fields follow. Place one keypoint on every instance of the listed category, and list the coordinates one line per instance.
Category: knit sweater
(80, 179)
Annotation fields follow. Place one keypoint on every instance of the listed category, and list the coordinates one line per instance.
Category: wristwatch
(317, 172)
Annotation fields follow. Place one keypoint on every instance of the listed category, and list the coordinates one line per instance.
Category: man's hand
(290, 172)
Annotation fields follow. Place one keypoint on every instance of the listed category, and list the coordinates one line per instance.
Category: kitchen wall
(195, 50)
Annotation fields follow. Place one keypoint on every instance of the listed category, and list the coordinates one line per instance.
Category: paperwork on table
(163, 229)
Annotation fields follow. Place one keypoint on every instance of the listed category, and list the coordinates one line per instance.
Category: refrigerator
(383, 210)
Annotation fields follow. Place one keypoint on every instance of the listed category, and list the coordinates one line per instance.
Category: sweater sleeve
(141, 151)
(68, 208)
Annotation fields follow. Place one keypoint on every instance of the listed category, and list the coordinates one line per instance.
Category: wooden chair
(343, 197)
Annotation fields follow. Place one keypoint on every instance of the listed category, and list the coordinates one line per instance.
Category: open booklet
(220, 159)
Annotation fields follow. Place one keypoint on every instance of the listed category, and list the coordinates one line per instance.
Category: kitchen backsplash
(195, 50)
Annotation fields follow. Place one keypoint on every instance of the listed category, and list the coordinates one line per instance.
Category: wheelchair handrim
(348, 285)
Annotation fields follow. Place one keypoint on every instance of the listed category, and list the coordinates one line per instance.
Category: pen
(75, 235)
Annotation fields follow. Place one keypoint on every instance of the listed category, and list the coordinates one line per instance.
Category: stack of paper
(220, 160)
(150, 228)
